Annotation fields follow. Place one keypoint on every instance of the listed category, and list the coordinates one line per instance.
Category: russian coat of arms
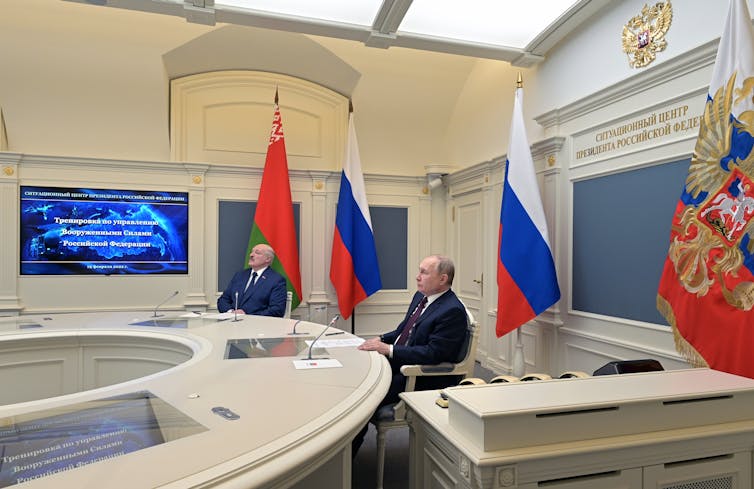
(711, 239)
(730, 209)
(644, 34)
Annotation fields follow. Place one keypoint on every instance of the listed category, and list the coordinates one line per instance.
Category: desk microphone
(294, 328)
(235, 309)
(163, 302)
(337, 316)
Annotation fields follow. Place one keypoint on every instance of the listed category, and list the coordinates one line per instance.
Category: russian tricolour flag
(354, 271)
(526, 279)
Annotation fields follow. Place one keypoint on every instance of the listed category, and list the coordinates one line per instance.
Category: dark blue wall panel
(390, 225)
(621, 231)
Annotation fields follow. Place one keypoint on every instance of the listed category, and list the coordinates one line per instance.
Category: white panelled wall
(130, 133)
(466, 212)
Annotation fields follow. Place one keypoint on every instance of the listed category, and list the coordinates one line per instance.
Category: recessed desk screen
(176, 322)
(289, 346)
(163, 323)
(44, 443)
(15, 325)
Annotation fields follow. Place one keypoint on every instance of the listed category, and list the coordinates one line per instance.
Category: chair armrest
(431, 370)
(411, 370)
(439, 369)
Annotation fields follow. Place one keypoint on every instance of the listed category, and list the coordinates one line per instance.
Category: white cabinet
(439, 471)
(684, 429)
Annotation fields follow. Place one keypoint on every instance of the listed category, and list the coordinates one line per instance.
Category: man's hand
(240, 312)
(374, 344)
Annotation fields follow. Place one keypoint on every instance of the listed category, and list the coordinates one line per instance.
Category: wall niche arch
(225, 117)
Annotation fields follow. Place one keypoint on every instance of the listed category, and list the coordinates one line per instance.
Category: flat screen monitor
(84, 231)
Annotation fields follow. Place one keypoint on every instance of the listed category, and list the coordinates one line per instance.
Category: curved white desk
(294, 427)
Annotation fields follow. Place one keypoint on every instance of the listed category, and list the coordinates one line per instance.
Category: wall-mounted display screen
(95, 231)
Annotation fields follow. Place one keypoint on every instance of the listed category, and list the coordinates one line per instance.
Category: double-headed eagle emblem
(644, 35)
(712, 232)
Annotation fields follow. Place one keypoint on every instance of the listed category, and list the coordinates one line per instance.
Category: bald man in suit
(432, 332)
(261, 290)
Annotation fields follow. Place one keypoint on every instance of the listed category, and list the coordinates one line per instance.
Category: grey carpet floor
(364, 467)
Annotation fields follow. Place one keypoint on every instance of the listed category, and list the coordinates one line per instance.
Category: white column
(547, 160)
(195, 298)
(10, 304)
(489, 346)
(323, 212)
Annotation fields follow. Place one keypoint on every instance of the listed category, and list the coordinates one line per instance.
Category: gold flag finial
(520, 81)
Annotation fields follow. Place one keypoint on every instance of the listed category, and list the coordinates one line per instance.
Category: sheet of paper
(310, 364)
(218, 315)
(330, 343)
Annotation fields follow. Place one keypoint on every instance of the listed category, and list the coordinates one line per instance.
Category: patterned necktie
(251, 281)
(403, 338)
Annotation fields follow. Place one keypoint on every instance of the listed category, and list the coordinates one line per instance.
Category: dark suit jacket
(438, 334)
(266, 298)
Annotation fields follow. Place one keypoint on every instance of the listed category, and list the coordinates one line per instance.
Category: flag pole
(353, 311)
(518, 354)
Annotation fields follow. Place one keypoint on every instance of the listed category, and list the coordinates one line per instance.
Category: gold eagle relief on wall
(644, 34)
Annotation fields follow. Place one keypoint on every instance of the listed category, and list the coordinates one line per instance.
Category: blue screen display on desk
(59, 440)
(87, 231)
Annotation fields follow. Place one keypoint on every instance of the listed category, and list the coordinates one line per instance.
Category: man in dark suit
(261, 290)
(432, 332)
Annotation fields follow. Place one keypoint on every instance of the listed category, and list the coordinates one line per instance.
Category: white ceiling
(518, 31)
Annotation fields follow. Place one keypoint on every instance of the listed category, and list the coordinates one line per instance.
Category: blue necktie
(251, 281)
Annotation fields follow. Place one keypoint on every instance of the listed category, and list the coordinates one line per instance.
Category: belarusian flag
(273, 220)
